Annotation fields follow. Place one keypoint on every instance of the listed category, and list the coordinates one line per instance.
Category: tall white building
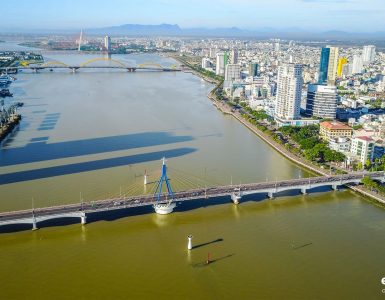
(233, 72)
(357, 64)
(277, 47)
(206, 63)
(289, 88)
(368, 54)
(213, 52)
(321, 101)
(362, 147)
(234, 56)
(333, 65)
(220, 67)
(107, 43)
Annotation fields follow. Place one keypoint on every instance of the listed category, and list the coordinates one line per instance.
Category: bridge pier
(73, 70)
(303, 191)
(83, 218)
(34, 223)
(270, 195)
(335, 187)
(236, 197)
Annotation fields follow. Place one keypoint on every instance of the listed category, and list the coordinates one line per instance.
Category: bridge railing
(189, 194)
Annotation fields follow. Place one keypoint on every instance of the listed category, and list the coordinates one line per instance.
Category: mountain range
(175, 30)
(263, 32)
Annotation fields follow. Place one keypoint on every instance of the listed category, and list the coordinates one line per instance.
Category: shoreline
(9, 129)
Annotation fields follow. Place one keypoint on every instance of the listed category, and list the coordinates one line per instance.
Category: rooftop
(365, 138)
(335, 125)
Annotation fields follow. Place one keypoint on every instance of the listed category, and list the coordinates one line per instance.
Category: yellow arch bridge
(96, 63)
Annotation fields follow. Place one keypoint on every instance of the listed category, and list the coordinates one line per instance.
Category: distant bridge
(271, 189)
(90, 64)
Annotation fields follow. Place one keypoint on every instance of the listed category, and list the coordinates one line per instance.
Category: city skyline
(317, 15)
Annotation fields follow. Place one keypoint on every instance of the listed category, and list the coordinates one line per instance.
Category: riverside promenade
(224, 108)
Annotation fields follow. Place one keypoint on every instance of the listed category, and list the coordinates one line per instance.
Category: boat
(5, 93)
(5, 79)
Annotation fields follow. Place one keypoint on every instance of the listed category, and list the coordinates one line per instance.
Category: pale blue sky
(349, 15)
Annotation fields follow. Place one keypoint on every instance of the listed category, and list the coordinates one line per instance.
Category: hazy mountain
(263, 32)
(174, 30)
(137, 29)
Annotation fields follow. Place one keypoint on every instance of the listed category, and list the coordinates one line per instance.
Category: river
(92, 135)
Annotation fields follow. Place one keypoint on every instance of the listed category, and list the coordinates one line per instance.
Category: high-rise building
(277, 47)
(226, 58)
(341, 62)
(253, 69)
(206, 63)
(324, 64)
(357, 64)
(220, 67)
(368, 54)
(328, 65)
(363, 148)
(289, 89)
(107, 43)
(234, 56)
(233, 72)
(213, 52)
(347, 69)
(333, 64)
(321, 101)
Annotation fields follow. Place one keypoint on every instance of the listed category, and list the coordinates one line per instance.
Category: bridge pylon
(166, 206)
(83, 218)
(34, 221)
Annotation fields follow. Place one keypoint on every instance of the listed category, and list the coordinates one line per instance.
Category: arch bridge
(90, 64)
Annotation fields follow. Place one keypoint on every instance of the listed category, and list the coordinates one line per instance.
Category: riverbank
(297, 159)
(8, 128)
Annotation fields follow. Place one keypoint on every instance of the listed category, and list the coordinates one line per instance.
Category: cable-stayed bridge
(168, 199)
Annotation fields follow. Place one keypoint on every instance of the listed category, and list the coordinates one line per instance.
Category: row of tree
(373, 185)
(312, 146)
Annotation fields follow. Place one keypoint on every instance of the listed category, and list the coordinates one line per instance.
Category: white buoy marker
(189, 244)
(145, 177)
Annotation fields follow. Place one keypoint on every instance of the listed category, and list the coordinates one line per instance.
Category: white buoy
(145, 177)
(189, 245)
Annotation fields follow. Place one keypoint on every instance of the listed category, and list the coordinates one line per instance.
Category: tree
(369, 183)
(368, 164)
(308, 143)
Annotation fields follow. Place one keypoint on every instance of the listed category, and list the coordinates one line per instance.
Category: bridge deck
(93, 67)
(194, 194)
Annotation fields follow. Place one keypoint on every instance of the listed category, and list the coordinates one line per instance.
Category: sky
(319, 15)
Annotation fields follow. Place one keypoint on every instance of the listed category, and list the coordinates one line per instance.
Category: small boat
(5, 93)
(5, 79)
